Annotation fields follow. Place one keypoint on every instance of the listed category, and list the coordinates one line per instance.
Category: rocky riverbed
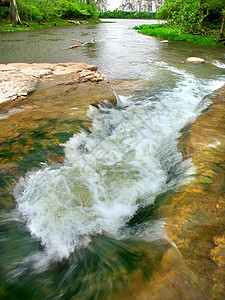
(45, 104)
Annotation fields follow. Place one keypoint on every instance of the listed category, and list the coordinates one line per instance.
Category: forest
(48, 10)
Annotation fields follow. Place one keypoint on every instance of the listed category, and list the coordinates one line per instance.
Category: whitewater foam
(109, 173)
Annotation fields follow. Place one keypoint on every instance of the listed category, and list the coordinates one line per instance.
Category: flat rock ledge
(20, 79)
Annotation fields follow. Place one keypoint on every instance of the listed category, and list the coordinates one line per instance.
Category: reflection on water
(113, 191)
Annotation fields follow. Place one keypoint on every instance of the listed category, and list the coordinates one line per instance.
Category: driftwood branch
(82, 43)
(77, 41)
(74, 46)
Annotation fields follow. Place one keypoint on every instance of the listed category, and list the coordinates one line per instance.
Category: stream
(77, 205)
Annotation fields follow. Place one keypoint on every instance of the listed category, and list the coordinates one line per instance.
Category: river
(84, 228)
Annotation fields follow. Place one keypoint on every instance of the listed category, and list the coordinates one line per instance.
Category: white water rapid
(129, 158)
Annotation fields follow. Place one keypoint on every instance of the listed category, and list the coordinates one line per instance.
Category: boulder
(164, 41)
(195, 60)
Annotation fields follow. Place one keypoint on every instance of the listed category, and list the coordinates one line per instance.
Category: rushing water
(85, 228)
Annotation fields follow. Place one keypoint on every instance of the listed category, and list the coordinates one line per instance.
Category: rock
(195, 60)
(20, 79)
(195, 213)
(165, 42)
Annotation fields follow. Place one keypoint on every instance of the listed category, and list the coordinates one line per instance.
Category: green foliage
(189, 15)
(47, 10)
(165, 32)
(72, 9)
(4, 12)
(36, 10)
(184, 14)
(120, 14)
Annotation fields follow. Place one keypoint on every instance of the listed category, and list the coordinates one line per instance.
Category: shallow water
(85, 227)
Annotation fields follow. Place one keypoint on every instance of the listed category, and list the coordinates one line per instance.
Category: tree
(15, 18)
(102, 5)
(191, 15)
(221, 36)
(140, 5)
(219, 7)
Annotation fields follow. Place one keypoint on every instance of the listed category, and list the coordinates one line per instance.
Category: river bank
(30, 26)
(171, 33)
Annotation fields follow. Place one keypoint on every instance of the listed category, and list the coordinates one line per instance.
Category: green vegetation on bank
(46, 13)
(197, 17)
(7, 26)
(172, 33)
(121, 14)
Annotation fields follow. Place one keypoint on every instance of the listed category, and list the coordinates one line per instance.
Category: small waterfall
(118, 100)
(127, 159)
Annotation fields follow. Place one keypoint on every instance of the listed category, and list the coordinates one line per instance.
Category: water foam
(219, 64)
(122, 165)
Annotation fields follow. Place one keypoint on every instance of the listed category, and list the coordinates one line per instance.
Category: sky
(113, 4)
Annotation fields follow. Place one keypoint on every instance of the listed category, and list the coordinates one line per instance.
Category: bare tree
(129, 5)
(148, 5)
(102, 5)
(141, 5)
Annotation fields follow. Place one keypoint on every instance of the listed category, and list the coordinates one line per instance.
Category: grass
(165, 32)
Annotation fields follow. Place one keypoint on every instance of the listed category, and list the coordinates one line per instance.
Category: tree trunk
(15, 18)
(222, 26)
(201, 15)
